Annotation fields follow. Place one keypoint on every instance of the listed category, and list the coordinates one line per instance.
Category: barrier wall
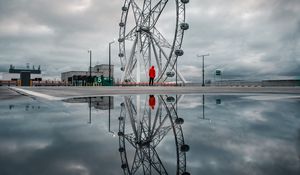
(281, 83)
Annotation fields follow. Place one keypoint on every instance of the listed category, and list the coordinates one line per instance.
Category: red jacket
(152, 72)
(152, 101)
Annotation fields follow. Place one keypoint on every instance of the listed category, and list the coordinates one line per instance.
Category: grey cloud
(232, 38)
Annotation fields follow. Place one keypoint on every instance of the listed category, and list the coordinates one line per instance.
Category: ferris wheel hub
(144, 143)
(145, 29)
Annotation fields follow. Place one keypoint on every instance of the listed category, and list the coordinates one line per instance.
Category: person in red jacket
(151, 75)
(151, 101)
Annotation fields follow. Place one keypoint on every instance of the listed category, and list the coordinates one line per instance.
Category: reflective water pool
(156, 134)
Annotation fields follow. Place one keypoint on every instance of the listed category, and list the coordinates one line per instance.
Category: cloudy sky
(249, 39)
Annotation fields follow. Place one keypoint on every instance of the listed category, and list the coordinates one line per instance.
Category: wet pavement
(6, 93)
(143, 134)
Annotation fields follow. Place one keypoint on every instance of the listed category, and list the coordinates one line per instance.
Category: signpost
(218, 73)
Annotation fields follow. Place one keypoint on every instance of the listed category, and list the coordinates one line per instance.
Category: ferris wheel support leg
(156, 56)
(130, 61)
(138, 114)
(132, 116)
(138, 58)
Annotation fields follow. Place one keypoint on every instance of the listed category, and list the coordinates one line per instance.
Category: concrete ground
(68, 92)
(6, 93)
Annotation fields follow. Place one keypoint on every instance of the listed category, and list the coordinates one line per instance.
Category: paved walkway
(6, 94)
(56, 93)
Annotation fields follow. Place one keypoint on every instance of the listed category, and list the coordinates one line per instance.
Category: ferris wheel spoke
(132, 66)
(161, 131)
(169, 64)
(131, 139)
(161, 135)
(146, 6)
(145, 163)
(160, 48)
(146, 52)
(145, 43)
(131, 35)
(161, 75)
(136, 162)
(131, 59)
(151, 15)
(147, 118)
(137, 12)
(163, 42)
(157, 59)
(154, 161)
(156, 119)
(157, 130)
(131, 116)
(156, 11)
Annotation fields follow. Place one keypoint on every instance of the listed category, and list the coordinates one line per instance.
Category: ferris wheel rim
(175, 51)
(178, 137)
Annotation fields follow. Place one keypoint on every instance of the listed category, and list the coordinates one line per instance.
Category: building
(101, 103)
(21, 76)
(99, 73)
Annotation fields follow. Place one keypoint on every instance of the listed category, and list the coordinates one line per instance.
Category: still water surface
(190, 134)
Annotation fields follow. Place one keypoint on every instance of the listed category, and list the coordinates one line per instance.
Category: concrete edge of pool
(59, 93)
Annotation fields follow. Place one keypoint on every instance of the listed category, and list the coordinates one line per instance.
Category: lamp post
(109, 102)
(90, 110)
(176, 71)
(203, 84)
(109, 60)
(90, 78)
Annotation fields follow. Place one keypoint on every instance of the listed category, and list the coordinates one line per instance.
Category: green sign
(99, 79)
(218, 72)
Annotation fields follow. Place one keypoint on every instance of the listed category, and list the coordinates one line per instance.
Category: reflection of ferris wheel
(143, 133)
(144, 45)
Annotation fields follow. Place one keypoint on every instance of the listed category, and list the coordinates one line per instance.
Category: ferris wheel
(141, 132)
(142, 44)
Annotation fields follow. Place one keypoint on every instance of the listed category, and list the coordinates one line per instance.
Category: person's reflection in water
(151, 101)
(11, 107)
(27, 107)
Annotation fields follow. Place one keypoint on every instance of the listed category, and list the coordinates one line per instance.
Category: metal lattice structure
(144, 41)
(142, 131)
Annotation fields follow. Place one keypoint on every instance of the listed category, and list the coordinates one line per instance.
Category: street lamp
(90, 78)
(109, 60)
(203, 84)
(90, 110)
(176, 71)
(109, 102)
